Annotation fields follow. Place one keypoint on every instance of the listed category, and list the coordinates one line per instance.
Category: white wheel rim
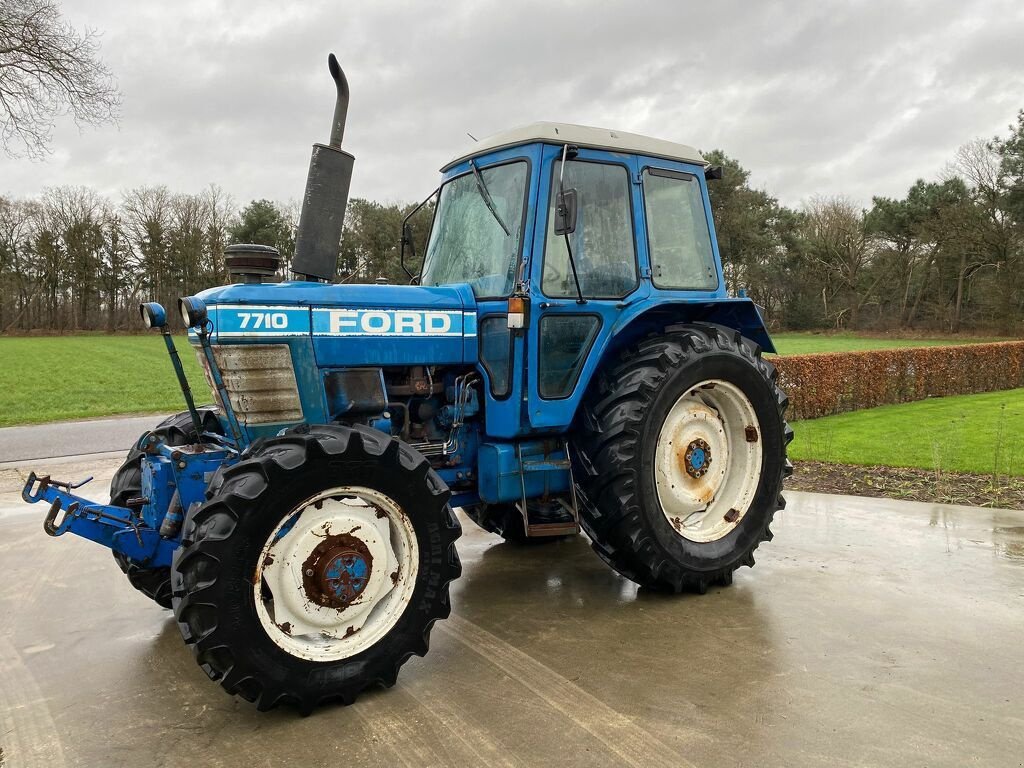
(707, 463)
(336, 574)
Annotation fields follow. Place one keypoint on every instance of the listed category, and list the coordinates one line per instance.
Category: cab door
(564, 329)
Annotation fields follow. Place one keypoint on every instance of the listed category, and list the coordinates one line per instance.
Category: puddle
(1009, 542)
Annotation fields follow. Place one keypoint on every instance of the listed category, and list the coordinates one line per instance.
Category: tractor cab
(583, 232)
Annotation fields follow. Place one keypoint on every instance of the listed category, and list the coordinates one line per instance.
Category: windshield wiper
(488, 201)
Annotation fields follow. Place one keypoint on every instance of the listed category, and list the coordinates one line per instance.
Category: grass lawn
(966, 433)
(807, 343)
(53, 378)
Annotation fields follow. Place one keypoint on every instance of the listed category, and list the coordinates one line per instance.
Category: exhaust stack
(326, 196)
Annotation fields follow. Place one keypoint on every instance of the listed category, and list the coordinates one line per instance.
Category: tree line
(947, 256)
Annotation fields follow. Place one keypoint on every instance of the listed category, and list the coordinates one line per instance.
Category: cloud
(856, 98)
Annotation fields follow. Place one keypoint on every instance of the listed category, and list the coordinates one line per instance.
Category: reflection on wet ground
(869, 633)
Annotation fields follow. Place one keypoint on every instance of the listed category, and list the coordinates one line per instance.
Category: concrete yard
(869, 633)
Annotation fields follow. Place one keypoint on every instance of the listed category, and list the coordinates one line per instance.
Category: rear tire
(257, 633)
(154, 583)
(627, 482)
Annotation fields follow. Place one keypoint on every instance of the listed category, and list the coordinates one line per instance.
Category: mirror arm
(407, 239)
(568, 246)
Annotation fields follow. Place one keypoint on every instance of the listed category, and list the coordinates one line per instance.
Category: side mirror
(407, 243)
(565, 212)
(713, 172)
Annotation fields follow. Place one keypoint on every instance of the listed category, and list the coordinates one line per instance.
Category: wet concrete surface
(870, 632)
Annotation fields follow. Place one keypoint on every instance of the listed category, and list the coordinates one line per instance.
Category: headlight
(153, 315)
(193, 311)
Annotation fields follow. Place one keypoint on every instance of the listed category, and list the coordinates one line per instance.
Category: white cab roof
(582, 136)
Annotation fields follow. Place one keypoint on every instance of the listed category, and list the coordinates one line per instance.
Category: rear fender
(740, 314)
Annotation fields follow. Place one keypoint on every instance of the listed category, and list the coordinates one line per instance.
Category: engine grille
(260, 381)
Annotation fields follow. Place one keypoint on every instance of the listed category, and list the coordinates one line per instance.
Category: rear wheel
(316, 568)
(154, 583)
(682, 453)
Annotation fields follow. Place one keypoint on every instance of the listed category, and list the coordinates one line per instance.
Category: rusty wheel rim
(708, 461)
(336, 574)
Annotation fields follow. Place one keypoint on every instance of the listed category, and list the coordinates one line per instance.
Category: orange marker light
(517, 312)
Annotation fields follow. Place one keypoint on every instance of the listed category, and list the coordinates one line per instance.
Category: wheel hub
(697, 458)
(337, 571)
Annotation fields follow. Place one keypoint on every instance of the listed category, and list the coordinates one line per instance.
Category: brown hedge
(834, 382)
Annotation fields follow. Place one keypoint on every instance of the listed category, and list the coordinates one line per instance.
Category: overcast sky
(813, 97)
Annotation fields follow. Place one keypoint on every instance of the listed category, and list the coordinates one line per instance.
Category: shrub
(834, 382)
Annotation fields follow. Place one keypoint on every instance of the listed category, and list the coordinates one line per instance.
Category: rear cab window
(679, 238)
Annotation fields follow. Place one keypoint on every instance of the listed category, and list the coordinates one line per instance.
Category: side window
(677, 229)
(496, 353)
(602, 245)
(564, 343)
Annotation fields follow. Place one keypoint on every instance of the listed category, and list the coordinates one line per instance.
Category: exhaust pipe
(323, 205)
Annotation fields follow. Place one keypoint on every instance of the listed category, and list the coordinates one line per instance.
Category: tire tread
(211, 528)
(608, 445)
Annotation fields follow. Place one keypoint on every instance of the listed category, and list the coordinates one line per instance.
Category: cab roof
(581, 136)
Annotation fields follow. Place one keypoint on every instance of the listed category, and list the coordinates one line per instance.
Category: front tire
(154, 583)
(656, 505)
(316, 568)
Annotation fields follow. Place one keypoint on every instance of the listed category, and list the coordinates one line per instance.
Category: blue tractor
(565, 357)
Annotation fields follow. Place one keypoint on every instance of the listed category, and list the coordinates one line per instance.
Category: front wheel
(154, 583)
(316, 568)
(682, 453)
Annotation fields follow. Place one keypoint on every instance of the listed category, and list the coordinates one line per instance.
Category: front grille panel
(260, 381)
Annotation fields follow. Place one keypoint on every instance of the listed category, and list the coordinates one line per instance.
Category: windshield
(468, 243)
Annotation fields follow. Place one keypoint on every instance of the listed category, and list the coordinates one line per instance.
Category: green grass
(54, 378)
(967, 433)
(807, 343)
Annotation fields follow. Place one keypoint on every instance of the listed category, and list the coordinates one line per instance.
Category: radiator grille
(260, 381)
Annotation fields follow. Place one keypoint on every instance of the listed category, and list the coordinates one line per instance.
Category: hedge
(834, 382)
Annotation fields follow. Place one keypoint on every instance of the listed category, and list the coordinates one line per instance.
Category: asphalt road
(71, 438)
(870, 633)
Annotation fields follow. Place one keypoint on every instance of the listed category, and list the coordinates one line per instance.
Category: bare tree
(148, 222)
(18, 279)
(988, 233)
(48, 68)
(221, 212)
(838, 243)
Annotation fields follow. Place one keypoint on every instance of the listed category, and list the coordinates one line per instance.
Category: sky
(813, 98)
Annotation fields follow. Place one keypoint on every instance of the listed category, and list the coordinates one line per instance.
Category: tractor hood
(350, 325)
